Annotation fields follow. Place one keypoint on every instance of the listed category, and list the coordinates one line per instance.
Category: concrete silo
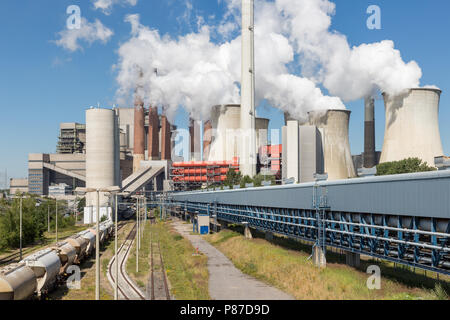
(225, 135)
(102, 153)
(333, 127)
(412, 126)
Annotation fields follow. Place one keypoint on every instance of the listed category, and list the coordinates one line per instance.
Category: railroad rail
(127, 289)
(402, 218)
(11, 258)
(159, 288)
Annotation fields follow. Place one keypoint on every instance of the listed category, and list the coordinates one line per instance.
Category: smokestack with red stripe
(194, 133)
(153, 134)
(139, 134)
(165, 139)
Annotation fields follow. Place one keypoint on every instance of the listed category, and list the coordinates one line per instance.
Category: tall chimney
(165, 139)
(369, 133)
(207, 137)
(194, 134)
(153, 134)
(139, 134)
(248, 141)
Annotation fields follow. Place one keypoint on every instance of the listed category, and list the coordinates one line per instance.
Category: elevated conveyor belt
(401, 218)
(140, 178)
(64, 171)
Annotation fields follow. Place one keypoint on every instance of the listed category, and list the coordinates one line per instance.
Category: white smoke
(197, 73)
(106, 5)
(326, 56)
(88, 32)
(191, 70)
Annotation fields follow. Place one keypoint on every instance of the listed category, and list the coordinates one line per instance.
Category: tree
(409, 165)
(259, 178)
(233, 178)
(81, 204)
(245, 180)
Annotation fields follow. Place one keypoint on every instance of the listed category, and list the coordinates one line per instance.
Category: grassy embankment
(187, 273)
(284, 264)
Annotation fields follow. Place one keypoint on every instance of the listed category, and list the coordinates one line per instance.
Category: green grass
(144, 258)
(284, 263)
(187, 273)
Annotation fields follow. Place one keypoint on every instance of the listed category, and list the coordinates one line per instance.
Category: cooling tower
(153, 134)
(139, 134)
(262, 128)
(333, 127)
(225, 136)
(412, 126)
(101, 152)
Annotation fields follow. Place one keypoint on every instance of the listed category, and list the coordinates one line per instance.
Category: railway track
(126, 288)
(9, 259)
(158, 285)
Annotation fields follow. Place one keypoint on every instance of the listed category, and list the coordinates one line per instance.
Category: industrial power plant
(313, 189)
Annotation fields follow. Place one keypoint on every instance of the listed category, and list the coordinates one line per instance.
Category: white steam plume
(106, 5)
(349, 73)
(197, 73)
(88, 32)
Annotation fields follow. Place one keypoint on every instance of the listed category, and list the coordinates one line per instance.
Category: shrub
(409, 165)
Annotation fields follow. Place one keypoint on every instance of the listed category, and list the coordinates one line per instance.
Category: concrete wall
(311, 155)
(291, 154)
(262, 129)
(18, 185)
(126, 123)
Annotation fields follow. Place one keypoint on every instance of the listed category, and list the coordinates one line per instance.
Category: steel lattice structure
(417, 240)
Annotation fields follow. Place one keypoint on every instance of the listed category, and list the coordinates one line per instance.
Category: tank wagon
(39, 273)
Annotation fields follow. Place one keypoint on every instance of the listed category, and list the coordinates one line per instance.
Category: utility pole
(97, 250)
(116, 287)
(20, 232)
(48, 217)
(56, 226)
(137, 235)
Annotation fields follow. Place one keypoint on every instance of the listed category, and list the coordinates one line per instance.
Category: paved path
(226, 282)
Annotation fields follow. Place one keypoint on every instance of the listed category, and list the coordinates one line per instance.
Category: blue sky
(42, 84)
